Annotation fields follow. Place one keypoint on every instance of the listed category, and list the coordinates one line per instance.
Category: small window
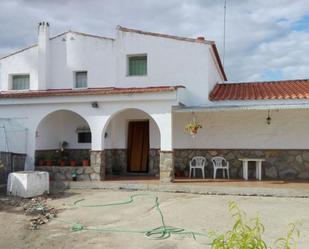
(137, 65)
(84, 137)
(20, 82)
(81, 79)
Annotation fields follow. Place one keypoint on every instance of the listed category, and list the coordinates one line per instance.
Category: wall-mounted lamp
(95, 104)
(268, 119)
(105, 135)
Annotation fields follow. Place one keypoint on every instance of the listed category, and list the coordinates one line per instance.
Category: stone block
(94, 177)
(271, 172)
(28, 184)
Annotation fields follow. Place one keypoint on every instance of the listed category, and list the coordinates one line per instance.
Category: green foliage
(247, 234)
(289, 242)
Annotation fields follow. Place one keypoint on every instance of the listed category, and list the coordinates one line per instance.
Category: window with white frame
(137, 65)
(20, 82)
(81, 79)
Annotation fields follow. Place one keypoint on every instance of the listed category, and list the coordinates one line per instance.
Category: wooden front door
(138, 146)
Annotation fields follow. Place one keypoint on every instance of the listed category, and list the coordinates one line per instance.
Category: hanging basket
(193, 127)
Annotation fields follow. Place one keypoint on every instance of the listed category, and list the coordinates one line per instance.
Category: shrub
(247, 234)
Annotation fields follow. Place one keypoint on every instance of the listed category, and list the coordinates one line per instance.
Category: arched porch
(132, 144)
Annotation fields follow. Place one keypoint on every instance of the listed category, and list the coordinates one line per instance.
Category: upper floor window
(81, 79)
(20, 82)
(137, 65)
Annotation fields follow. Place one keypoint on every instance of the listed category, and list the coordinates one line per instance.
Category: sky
(265, 39)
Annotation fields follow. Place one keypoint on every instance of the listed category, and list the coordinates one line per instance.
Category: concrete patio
(239, 187)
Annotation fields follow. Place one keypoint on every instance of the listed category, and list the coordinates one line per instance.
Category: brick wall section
(280, 164)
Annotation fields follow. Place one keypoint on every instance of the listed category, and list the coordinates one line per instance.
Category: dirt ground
(199, 213)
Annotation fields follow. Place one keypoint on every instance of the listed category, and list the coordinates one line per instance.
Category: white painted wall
(25, 62)
(33, 111)
(170, 62)
(58, 127)
(117, 130)
(245, 130)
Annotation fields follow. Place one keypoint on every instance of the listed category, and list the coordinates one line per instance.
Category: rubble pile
(42, 213)
(36, 207)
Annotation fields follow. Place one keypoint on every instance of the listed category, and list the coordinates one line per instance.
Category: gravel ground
(190, 211)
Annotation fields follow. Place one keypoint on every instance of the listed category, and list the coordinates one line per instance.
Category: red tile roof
(268, 90)
(86, 92)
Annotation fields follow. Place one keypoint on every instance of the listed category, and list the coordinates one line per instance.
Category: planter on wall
(73, 163)
(62, 163)
(85, 162)
(49, 162)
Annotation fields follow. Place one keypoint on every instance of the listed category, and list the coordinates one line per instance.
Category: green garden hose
(158, 233)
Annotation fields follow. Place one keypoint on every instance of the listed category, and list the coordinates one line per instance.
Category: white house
(126, 101)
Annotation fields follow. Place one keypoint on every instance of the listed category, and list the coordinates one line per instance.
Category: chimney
(43, 55)
(200, 39)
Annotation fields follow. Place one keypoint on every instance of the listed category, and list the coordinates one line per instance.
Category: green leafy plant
(247, 234)
(192, 127)
(289, 241)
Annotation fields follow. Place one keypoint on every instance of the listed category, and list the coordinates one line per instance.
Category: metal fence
(10, 162)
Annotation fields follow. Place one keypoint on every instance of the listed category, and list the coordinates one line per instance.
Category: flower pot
(62, 163)
(73, 163)
(41, 162)
(193, 131)
(49, 162)
(85, 162)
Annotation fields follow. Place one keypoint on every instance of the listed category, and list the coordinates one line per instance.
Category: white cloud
(259, 35)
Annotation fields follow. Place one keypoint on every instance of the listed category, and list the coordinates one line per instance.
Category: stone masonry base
(279, 164)
(166, 166)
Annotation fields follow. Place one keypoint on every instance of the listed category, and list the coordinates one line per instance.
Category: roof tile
(86, 92)
(284, 89)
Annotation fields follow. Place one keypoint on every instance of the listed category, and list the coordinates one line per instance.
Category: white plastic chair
(219, 162)
(197, 162)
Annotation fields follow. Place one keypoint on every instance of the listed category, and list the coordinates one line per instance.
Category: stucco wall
(60, 126)
(244, 130)
(25, 62)
(117, 130)
(169, 62)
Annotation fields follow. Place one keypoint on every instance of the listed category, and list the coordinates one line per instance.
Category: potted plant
(40, 161)
(192, 127)
(73, 163)
(49, 156)
(63, 161)
(85, 162)
(63, 145)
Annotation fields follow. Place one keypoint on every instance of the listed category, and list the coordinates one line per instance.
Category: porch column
(164, 121)
(97, 164)
(30, 149)
(97, 153)
(166, 166)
